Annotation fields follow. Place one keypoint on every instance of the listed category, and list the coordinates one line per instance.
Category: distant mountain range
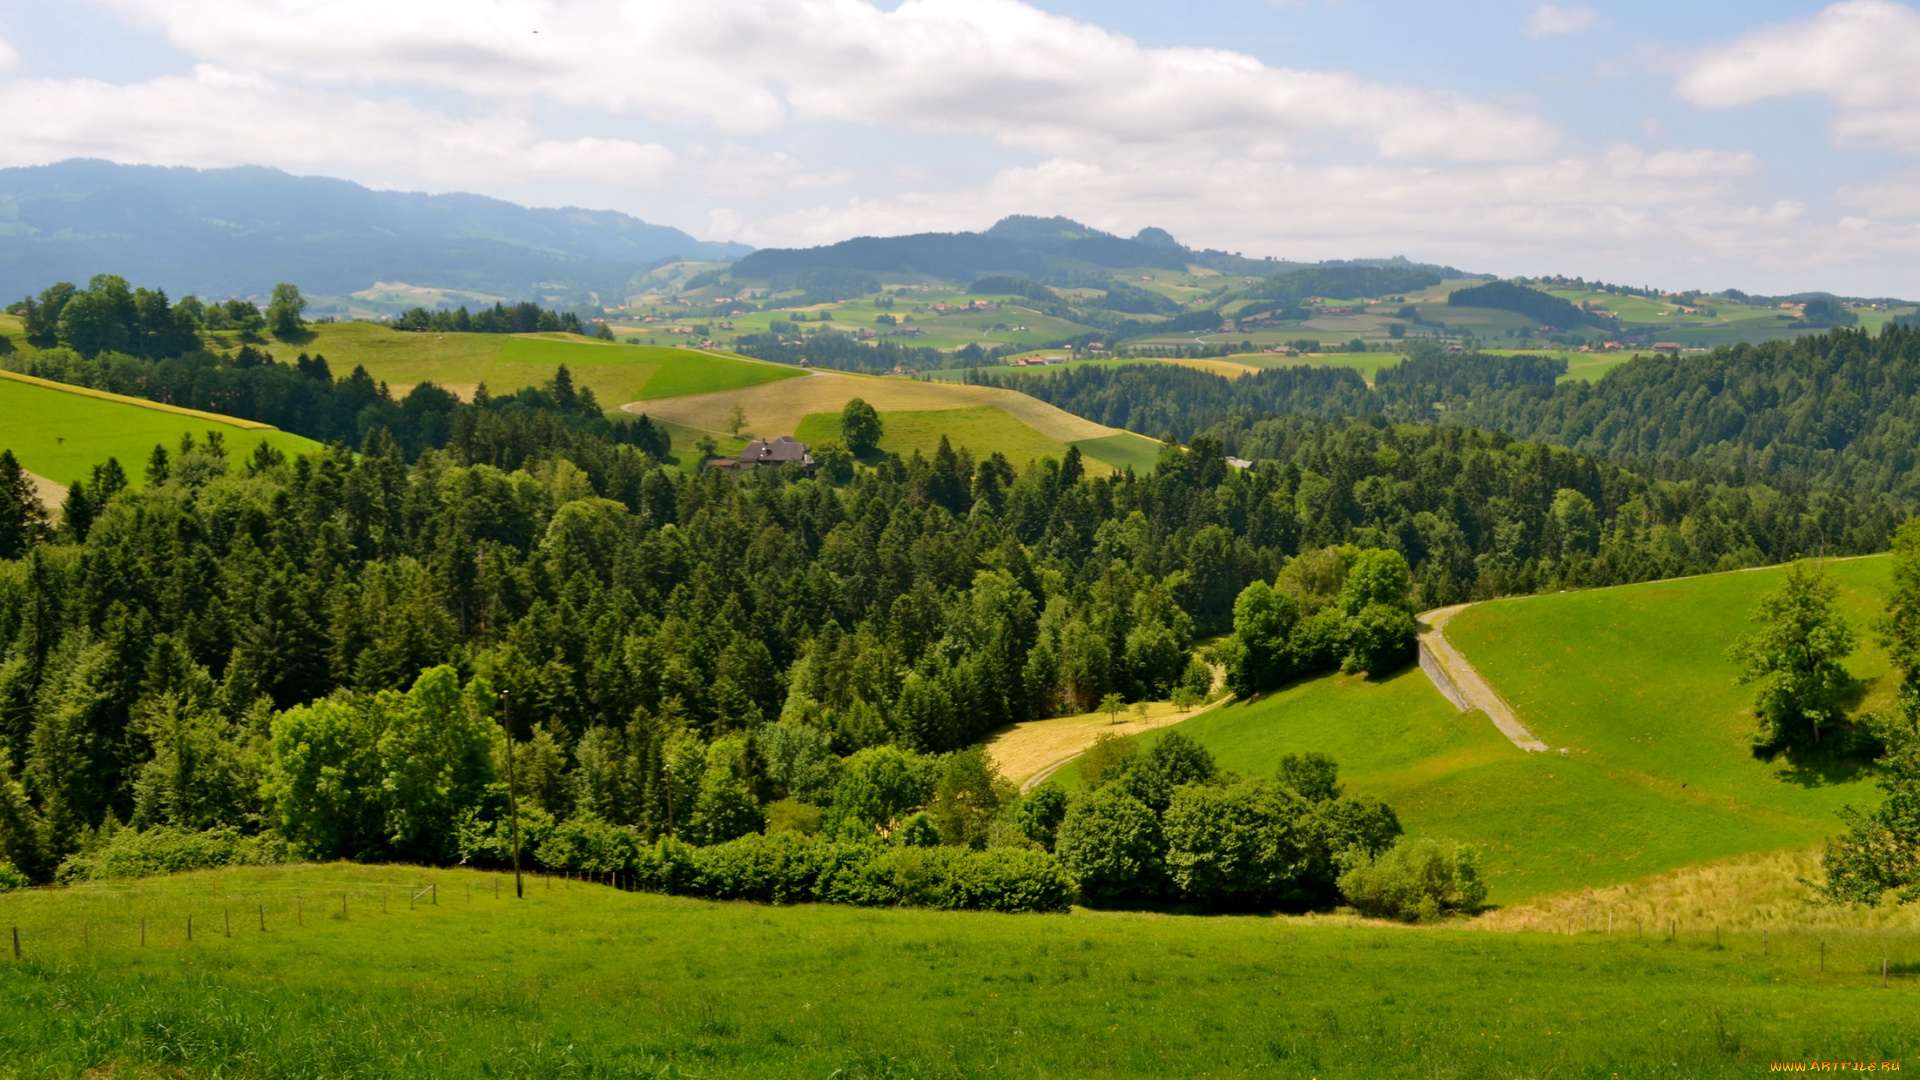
(1036, 247)
(238, 231)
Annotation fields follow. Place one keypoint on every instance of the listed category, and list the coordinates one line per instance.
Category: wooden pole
(513, 798)
(16, 943)
(86, 934)
(1823, 958)
(263, 918)
(189, 928)
(1883, 973)
(299, 916)
(229, 916)
(1763, 943)
(143, 931)
(343, 905)
(436, 893)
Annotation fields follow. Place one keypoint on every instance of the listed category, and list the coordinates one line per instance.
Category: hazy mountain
(1020, 244)
(224, 232)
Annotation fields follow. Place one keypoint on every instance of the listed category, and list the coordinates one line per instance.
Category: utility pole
(513, 798)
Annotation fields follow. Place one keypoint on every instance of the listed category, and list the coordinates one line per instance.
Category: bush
(11, 878)
(1243, 845)
(1112, 844)
(167, 850)
(1415, 880)
(788, 868)
(588, 843)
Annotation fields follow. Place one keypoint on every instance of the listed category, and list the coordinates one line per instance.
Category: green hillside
(617, 374)
(1630, 680)
(360, 972)
(62, 434)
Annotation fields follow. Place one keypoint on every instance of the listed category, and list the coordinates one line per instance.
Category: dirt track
(1462, 684)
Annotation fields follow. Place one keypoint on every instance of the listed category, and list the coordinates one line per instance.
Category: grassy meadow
(582, 980)
(62, 434)
(617, 374)
(1631, 681)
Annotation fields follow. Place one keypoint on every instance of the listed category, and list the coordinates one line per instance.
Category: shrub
(1379, 639)
(1038, 815)
(788, 868)
(1239, 845)
(588, 843)
(1415, 880)
(1112, 844)
(167, 850)
(11, 878)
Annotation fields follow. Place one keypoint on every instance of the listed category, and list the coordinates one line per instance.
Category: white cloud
(998, 68)
(1549, 20)
(219, 117)
(9, 56)
(1862, 55)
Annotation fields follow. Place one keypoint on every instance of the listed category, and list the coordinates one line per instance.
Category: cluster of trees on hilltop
(109, 316)
(525, 317)
(1544, 308)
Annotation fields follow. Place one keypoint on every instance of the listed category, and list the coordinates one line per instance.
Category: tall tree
(23, 521)
(283, 311)
(860, 427)
(1797, 656)
(1900, 626)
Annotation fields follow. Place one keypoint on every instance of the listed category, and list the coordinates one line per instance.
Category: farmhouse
(781, 451)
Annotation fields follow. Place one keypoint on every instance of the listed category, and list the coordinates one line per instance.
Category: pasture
(1631, 681)
(617, 374)
(815, 403)
(61, 432)
(358, 972)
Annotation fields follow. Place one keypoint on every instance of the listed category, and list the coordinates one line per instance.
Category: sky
(1763, 145)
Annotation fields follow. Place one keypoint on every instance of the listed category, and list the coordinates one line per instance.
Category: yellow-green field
(62, 433)
(617, 374)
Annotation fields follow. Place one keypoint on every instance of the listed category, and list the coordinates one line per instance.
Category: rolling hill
(981, 418)
(1630, 681)
(61, 432)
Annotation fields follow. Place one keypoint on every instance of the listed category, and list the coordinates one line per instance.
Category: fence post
(263, 918)
(16, 943)
(299, 916)
(229, 916)
(1823, 958)
(189, 928)
(436, 893)
(143, 931)
(1883, 973)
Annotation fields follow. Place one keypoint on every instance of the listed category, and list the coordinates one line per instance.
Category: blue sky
(1764, 145)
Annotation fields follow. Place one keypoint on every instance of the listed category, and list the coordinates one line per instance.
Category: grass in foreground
(580, 980)
(62, 435)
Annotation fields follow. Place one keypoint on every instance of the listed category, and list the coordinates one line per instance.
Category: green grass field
(617, 374)
(582, 981)
(982, 430)
(62, 435)
(1630, 680)
(1123, 451)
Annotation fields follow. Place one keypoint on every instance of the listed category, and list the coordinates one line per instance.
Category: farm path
(51, 493)
(1028, 753)
(1463, 685)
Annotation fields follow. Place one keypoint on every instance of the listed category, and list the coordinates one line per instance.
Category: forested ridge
(1839, 410)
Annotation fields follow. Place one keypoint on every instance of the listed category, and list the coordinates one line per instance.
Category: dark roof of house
(776, 452)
